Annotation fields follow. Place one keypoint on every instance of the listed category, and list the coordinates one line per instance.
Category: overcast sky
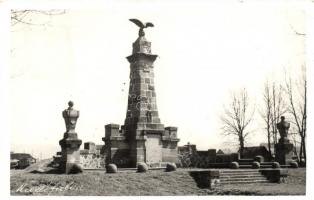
(205, 50)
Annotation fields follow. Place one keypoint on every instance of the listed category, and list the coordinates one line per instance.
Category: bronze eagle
(142, 26)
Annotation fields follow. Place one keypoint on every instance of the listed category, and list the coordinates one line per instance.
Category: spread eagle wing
(137, 22)
(149, 24)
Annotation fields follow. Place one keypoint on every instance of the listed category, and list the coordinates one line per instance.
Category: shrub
(256, 165)
(275, 165)
(171, 167)
(111, 168)
(234, 165)
(142, 167)
(294, 164)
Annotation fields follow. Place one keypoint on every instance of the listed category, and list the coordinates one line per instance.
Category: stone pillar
(70, 144)
(116, 146)
(284, 149)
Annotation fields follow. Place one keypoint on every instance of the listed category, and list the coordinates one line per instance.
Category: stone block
(206, 178)
(111, 130)
(147, 80)
(90, 146)
(274, 175)
(284, 153)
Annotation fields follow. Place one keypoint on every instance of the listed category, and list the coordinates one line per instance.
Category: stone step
(250, 166)
(248, 170)
(241, 171)
(245, 166)
(245, 160)
(266, 166)
(241, 176)
(243, 179)
(266, 163)
(244, 182)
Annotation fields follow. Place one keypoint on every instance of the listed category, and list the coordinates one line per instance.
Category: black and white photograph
(156, 98)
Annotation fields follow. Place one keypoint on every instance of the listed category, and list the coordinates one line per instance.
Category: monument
(70, 144)
(142, 138)
(284, 149)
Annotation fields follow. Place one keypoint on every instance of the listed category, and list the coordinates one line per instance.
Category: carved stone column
(70, 144)
(284, 149)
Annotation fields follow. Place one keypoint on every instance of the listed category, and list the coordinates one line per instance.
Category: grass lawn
(155, 183)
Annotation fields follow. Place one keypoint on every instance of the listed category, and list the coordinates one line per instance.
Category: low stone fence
(187, 160)
(92, 161)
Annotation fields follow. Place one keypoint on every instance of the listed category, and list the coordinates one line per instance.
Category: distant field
(157, 183)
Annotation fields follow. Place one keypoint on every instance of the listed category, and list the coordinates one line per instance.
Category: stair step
(241, 175)
(245, 166)
(243, 179)
(245, 163)
(266, 166)
(243, 182)
(246, 160)
(267, 163)
(239, 170)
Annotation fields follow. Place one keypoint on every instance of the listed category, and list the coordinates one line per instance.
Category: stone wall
(190, 157)
(92, 161)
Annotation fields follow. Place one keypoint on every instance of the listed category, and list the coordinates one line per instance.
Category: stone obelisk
(70, 144)
(142, 114)
(142, 138)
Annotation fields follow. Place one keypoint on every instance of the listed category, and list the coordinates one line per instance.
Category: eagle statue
(142, 26)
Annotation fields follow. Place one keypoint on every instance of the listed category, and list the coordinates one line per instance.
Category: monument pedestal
(284, 152)
(70, 144)
(70, 154)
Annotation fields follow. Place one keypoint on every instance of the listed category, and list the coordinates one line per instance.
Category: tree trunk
(269, 144)
(241, 139)
(303, 148)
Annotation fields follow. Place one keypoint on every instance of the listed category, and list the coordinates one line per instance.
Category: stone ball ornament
(234, 165)
(275, 165)
(71, 104)
(142, 167)
(256, 165)
(294, 164)
(111, 168)
(171, 167)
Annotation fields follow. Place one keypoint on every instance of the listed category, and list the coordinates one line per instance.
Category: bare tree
(237, 117)
(275, 107)
(26, 16)
(266, 115)
(297, 95)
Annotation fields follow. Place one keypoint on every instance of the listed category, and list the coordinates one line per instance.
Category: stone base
(284, 152)
(70, 155)
(70, 168)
